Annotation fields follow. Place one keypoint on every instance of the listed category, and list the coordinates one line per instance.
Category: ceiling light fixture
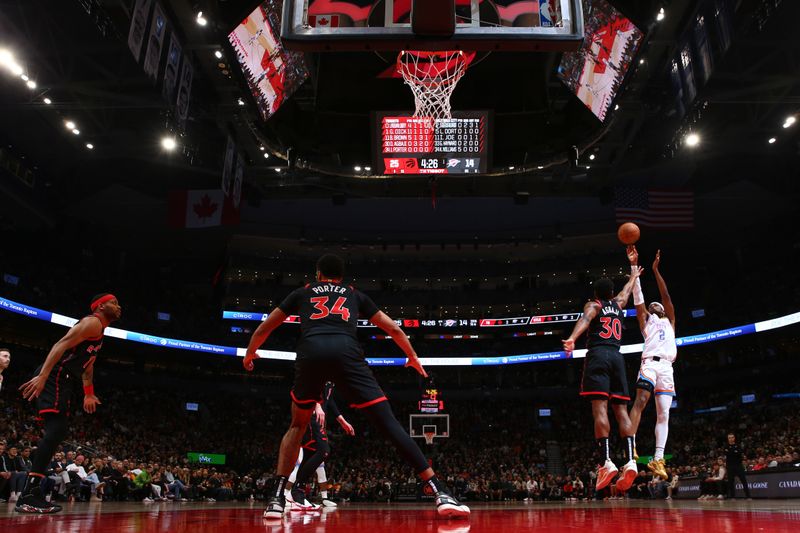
(70, 125)
(218, 54)
(201, 20)
(90, 146)
(692, 140)
(660, 16)
(789, 122)
(772, 140)
(169, 143)
(47, 101)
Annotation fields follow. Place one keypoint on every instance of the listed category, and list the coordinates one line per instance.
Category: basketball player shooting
(657, 322)
(604, 377)
(328, 350)
(70, 361)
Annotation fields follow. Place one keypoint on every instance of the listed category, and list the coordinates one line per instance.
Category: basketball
(628, 233)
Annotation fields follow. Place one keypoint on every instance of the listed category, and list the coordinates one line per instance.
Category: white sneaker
(14, 497)
(147, 500)
(720, 497)
(629, 473)
(605, 474)
(448, 506)
(328, 503)
(210, 500)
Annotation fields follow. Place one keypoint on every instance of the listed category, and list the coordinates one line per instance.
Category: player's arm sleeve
(331, 409)
(366, 307)
(291, 304)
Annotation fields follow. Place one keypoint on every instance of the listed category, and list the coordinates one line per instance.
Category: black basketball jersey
(606, 328)
(328, 308)
(81, 356)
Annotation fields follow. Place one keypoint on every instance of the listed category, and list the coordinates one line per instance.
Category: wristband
(638, 295)
(88, 390)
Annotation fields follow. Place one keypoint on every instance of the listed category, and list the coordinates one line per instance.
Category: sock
(287, 493)
(436, 485)
(634, 442)
(324, 494)
(659, 454)
(663, 404)
(279, 486)
(629, 448)
(602, 446)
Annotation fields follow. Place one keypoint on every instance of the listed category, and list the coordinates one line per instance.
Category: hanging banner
(155, 42)
(171, 69)
(138, 26)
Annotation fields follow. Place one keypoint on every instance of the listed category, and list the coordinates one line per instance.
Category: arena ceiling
(77, 51)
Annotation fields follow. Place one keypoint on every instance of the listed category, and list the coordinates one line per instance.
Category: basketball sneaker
(328, 503)
(659, 468)
(629, 473)
(448, 506)
(33, 503)
(605, 474)
(274, 510)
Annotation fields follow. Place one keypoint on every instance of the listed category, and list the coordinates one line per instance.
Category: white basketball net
(432, 77)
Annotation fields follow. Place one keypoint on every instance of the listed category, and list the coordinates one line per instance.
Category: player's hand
(633, 254)
(569, 345)
(248, 361)
(636, 272)
(33, 388)
(657, 261)
(90, 403)
(347, 427)
(413, 362)
(319, 413)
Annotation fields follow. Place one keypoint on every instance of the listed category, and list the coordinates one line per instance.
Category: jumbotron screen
(407, 145)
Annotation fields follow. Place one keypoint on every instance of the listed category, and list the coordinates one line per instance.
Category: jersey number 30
(611, 327)
(320, 304)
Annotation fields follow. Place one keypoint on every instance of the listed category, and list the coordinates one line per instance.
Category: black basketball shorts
(58, 393)
(604, 375)
(336, 358)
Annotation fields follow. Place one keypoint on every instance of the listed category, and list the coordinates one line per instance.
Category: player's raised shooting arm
(589, 313)
(265, 329)
(666, 300)
(625, 294)
(638, 296)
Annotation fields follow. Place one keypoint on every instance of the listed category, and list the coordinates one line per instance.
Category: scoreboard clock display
(408, 145)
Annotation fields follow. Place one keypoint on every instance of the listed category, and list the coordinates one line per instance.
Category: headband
(103, 299)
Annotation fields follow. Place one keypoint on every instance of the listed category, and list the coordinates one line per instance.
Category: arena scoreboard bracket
(405, 145)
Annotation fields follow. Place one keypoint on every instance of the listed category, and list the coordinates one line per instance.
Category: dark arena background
(194, 159)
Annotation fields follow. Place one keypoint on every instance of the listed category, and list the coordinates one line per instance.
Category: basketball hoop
(429, 435)
(432, 77)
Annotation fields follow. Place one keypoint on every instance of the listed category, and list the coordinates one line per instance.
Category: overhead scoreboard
(408, 145)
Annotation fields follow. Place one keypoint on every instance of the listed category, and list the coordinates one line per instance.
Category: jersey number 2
(320, 304)
(611, 327)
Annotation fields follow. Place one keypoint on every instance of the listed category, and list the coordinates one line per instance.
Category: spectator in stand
(57, 477)
(5, 360)
(21, 465)
(714, 485)
(5, 472)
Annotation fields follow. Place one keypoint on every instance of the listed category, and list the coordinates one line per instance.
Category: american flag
(656, 208)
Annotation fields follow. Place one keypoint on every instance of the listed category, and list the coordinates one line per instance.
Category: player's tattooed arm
(589, 313)
(625, 294)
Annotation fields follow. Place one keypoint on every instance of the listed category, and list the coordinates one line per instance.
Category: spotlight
(278, 169)
(24, 77)
(616, 107)
(90, 146)
(240, 101)
(368, 169)
(789, 122)
(540, 167)
(772, 140)
(588, 167)
(357, 168)
(70, 125)
(218, 54)
(511, 168)
(201, 20)
(47, 101)
(6, 57)
(591, 157)
(266, 155)
(169, 143)
(641, 61)
(31, 84)
(661, 15)
(692, 140)
(261, 148)
(76, 131)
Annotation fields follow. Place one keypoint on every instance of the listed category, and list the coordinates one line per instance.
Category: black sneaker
(448, 506)
(33, 503)
(275, 505)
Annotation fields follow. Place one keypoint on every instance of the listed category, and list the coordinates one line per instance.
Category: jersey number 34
(321, 305)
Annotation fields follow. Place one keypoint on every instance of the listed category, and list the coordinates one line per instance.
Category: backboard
(418, 424)
(481, 25)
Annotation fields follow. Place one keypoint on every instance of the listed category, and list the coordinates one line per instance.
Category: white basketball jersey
(659, 339)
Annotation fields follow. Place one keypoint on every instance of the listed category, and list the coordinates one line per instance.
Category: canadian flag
(201, 208)
(323, 21)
